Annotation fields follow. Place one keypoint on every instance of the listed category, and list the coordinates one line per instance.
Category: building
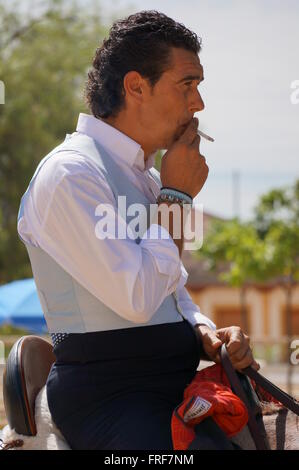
(265, 303)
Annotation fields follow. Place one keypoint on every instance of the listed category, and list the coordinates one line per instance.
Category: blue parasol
(20, 306)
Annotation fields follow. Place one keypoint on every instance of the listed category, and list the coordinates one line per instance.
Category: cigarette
(205, 136)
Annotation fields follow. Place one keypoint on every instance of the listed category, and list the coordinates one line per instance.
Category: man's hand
(237, 345)
(183, 167)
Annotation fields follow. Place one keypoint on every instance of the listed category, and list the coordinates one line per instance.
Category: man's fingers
(236, 341)
(255, 365)
(238, 347)
(214, 340)
(210, 342)
(190, 133)
(209, 336)
(240, 352)
(245, 361)
(213, 345)
(195, 143)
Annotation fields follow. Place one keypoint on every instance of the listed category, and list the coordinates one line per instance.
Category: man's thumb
(215, 341)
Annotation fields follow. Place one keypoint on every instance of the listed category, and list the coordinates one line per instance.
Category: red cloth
(209, 394)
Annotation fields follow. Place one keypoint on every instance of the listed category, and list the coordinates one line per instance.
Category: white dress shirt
(59, 217)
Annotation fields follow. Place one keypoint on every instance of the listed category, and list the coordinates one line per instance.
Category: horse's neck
(282, 427)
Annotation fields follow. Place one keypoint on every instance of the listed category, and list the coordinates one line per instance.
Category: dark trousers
(117, 390)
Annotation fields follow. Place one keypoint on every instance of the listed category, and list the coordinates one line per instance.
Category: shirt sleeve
(190, 311)
(132, 279)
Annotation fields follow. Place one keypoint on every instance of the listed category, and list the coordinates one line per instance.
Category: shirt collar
(116, 142)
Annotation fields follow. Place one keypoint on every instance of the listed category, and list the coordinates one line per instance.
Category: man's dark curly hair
(140, 42)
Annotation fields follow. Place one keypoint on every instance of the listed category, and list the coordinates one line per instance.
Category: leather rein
(289, 402)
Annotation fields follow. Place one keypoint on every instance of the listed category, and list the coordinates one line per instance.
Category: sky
(251, 58)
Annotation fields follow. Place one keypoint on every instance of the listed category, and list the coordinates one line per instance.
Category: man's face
(174, 99)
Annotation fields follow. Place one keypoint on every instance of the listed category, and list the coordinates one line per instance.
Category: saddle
(26, 372)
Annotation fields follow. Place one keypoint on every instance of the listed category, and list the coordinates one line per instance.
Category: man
(124, 328)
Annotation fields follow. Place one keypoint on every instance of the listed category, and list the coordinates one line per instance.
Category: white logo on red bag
(200, 407)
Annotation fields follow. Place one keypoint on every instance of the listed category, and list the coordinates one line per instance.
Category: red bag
(209, 394)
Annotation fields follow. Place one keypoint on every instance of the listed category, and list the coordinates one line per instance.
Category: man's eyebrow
(191, 77)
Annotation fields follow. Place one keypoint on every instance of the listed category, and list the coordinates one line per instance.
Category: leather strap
(209, 436)
(259, 440)
(288, 401)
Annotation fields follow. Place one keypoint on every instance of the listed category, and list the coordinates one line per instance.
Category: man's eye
(188, 83)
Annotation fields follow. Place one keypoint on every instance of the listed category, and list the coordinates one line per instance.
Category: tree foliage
(262, 249)
(43, 64)
(276, 220)
(237, 247)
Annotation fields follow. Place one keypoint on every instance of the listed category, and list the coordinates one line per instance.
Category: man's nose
(197, 104)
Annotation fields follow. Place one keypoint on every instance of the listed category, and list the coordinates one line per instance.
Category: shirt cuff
(198, 317)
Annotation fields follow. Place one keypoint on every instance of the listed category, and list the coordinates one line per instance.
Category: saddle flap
(27, 369)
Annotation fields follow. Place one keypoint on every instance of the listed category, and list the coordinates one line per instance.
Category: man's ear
(134, 86)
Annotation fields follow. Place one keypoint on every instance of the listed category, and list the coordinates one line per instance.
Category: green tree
(243, 258)
(276, 220)
(43, 64)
